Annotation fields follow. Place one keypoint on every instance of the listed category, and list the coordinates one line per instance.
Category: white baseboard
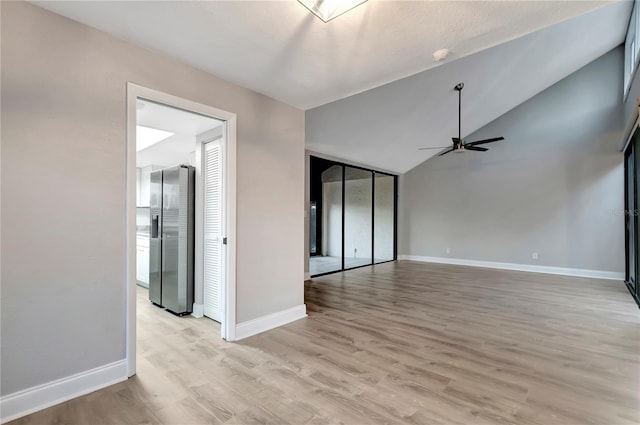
(31, 400)
(307, 276)
(596, 274)
(198, 310)
(270, 321)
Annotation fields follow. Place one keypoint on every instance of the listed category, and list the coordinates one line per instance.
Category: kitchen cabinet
(142, 260)
(144, 184)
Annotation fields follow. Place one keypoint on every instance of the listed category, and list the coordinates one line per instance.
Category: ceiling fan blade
(447, 151)
(439, 147)
(475, 148)
(482, 142)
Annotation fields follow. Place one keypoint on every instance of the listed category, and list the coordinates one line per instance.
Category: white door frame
(134, 91)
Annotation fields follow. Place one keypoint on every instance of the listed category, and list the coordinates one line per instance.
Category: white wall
(357, 218)
(383, 218)
(555, 186)
(63, 193)
(332, 219)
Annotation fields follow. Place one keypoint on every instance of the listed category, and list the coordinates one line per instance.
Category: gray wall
(63, 192)
(555, 186)
(634, 93)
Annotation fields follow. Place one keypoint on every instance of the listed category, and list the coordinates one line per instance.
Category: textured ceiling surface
(372, 91)
(280, 49)
(384, 127)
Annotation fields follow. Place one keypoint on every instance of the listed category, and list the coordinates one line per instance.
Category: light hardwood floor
(399, 342)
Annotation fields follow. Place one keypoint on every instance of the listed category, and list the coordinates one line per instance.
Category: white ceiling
(280, 49)
(384, 127)
(176, 149)
(163, 117)
(504, 51)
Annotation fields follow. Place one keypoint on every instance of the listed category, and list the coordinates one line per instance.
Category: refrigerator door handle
(155, 222)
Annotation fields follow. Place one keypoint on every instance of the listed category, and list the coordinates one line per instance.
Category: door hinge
(224, 241)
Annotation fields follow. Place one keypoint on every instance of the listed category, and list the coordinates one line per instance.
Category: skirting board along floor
(597, 274)
(399, 343)
(270, 321)
(37, 398)
(42, 396)
(198, 310)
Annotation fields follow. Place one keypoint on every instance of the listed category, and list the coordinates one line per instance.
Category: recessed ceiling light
(147, 136)
(440, 55)
(330, 9)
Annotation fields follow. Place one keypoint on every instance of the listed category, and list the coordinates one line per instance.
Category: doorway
(352, 217)
(204, 130)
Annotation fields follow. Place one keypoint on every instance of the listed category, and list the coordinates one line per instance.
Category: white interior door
(213, 220)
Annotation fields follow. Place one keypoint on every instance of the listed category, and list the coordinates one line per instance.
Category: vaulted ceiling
(280, 49)
(384, 127)
(504, 51)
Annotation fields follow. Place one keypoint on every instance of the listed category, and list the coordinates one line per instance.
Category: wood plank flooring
(397, 343)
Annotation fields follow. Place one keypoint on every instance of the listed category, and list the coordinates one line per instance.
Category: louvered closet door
(213, 197)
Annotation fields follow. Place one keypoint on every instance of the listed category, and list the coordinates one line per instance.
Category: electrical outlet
(534, 256)
(448, 250)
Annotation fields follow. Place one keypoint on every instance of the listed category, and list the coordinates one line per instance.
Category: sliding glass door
(632, 237)
(630, 206)
(635, 220)
(329, 219)
(358, 217)
(352, 217)
(384, 217)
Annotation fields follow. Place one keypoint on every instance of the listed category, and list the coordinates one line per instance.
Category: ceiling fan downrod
(459, 88)
(459, 145)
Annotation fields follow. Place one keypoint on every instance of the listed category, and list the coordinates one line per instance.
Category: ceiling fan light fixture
(327, 10)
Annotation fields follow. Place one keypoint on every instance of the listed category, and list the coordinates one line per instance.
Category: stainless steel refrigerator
(171, 245)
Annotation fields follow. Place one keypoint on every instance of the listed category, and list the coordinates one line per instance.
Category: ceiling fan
(459, 145)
